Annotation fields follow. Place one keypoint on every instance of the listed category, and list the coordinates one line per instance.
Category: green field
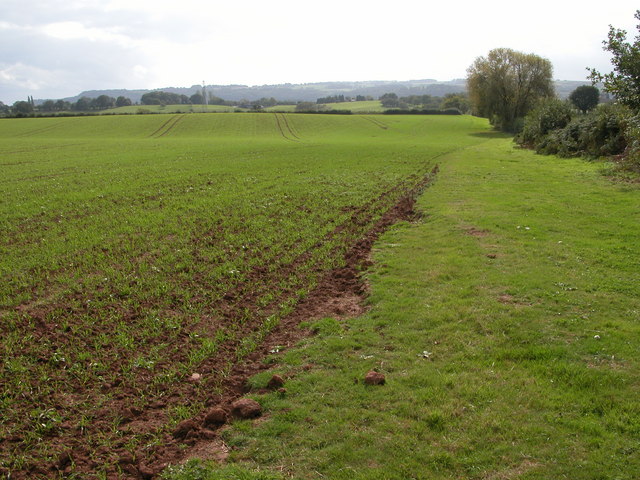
(170, 109)
(137, 250)
(372, 106)
(281, 108)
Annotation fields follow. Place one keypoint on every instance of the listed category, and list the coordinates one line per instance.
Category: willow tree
(505, 85)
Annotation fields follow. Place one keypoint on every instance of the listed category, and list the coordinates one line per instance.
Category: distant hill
(310, 92)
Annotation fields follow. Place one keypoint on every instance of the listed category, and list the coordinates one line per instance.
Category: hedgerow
(555, 128)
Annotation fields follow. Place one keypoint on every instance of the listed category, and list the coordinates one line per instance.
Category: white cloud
(52, 48)
(77, 31)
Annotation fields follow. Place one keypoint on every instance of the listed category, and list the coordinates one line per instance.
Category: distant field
(357, 107)
(170, 109)
(281, 108)
(137, 250)
(372, 106)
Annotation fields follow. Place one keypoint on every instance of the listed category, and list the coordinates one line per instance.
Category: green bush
(604, 131)
(550, 129)
(549, 115)
(631, 159)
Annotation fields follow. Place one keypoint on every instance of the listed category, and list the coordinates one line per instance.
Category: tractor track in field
(376, 122)
(286, 122)
(167, 126)
(279, 123)
(336, 291)
(39, 130)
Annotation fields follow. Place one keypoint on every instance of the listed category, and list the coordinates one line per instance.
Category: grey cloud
(62, 67)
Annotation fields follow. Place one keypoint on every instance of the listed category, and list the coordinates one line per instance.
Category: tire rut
(376, 122)
(163, 129)
(279, 123)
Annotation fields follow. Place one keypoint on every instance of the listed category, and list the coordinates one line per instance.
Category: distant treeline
(425, 111)
(450, 104)
(426, 103)
(342, 98)
(168, 98)
(84, 104)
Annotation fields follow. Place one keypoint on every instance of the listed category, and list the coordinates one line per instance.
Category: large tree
(505, 85)
(585, 97)
(122, 101)
(103, 102)
(22, 108)
(624, 82)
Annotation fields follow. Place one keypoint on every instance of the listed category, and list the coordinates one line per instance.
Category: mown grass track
(134, 250)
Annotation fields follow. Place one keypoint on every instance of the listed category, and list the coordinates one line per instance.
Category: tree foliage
(197, 99)
(585, 97)
(624, 82)
(459, 101)
(163, 98)
(506, 84)
(122, 101)
(550, 114)
(22, 108)
(389, 100)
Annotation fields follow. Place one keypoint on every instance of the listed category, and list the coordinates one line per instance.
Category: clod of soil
(276, 382)
(374, 378)
(125, 459)
(215, 417)
(64, 460)
(146, 472)
(184, 428)
(246, 408)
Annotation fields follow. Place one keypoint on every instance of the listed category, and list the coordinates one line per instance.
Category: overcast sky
(59, 48)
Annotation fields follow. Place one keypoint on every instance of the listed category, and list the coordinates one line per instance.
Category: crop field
(137, 251)
(170, 109)
(366, 106)
(369, 106)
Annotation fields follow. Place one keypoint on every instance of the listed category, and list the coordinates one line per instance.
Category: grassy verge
(506, 323)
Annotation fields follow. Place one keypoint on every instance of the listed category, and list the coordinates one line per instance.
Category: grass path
(506, 323)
